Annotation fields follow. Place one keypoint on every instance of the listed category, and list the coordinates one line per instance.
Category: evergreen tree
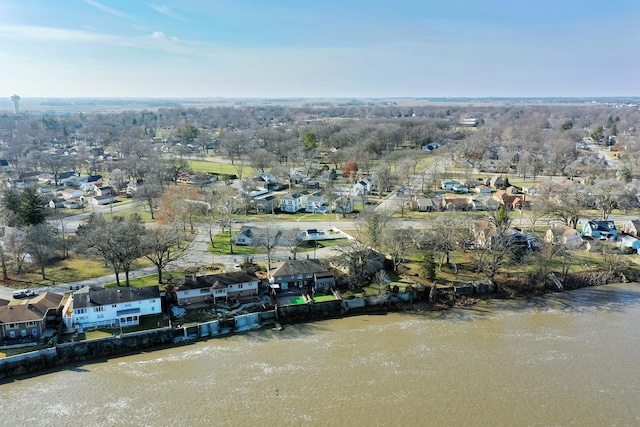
(11, 207)
(428, 267)
(31, 211)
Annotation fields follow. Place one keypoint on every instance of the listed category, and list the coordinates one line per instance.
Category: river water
(564, 359)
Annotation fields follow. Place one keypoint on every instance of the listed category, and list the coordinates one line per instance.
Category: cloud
(164, 10)
(109, 10)
(53, 34)
(162, 36)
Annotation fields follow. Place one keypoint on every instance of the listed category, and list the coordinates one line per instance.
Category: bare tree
(267, 238)
(41, 244)
(397, 243)
(118, 241)
(159, 244)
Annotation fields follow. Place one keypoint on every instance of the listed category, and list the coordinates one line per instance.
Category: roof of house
(602, 225)
(33, 309)
(455, 200)
(218, 281)
(291, 196)
(98, 296)
(635, 223)
(294, 267)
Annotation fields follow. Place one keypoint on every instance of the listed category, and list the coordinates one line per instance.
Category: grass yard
(323, 298)
(221, 246)
(311, 245)
(219, 167)
(14, 351)
(138, 282)
(144, 215)
(301, 216)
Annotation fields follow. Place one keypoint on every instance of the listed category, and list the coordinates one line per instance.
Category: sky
(327, 48)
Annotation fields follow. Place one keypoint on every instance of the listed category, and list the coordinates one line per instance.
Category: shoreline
(74, 355)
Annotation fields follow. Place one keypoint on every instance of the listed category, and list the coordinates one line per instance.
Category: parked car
(24, 293)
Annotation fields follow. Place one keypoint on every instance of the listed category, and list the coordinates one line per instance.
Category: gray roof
(219, 281)
(294, 267)
(100, 296)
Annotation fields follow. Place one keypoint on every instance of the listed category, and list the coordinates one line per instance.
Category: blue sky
(328, 48)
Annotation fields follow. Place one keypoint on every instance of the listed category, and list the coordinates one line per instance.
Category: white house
(93, 306)
(362, 187)
(101, 200)
(291, 203)
(216, 287)
(104, 191)
(315, 204)
(71, 193)
(449, 184)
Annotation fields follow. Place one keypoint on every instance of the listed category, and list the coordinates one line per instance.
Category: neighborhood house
(94, 306)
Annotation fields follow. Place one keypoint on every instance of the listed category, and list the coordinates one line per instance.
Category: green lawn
(302, 216)
(323, 298)
(221, 246)
(218, 167)
(310, 246)
(138, 282)
(144, 215)
(20, 350)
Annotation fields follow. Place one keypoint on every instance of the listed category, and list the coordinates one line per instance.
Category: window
(240, 286)
(114, 305)
(98, 309)
(12, 334)
(202, 291)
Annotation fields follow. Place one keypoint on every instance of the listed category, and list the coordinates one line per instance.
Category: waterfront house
(94, 306)
(630, 242)
(215, 287)
(560, 233)
(300, 273)
(602, 230)
(632, 227)
(31, 318)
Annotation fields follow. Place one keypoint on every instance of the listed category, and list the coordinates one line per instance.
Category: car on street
(24, 293)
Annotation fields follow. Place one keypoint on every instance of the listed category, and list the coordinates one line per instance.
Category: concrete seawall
(74, 352)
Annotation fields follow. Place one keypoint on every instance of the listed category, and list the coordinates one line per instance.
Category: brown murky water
(568, 359)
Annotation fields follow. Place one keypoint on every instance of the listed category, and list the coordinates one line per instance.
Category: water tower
(16, 103)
